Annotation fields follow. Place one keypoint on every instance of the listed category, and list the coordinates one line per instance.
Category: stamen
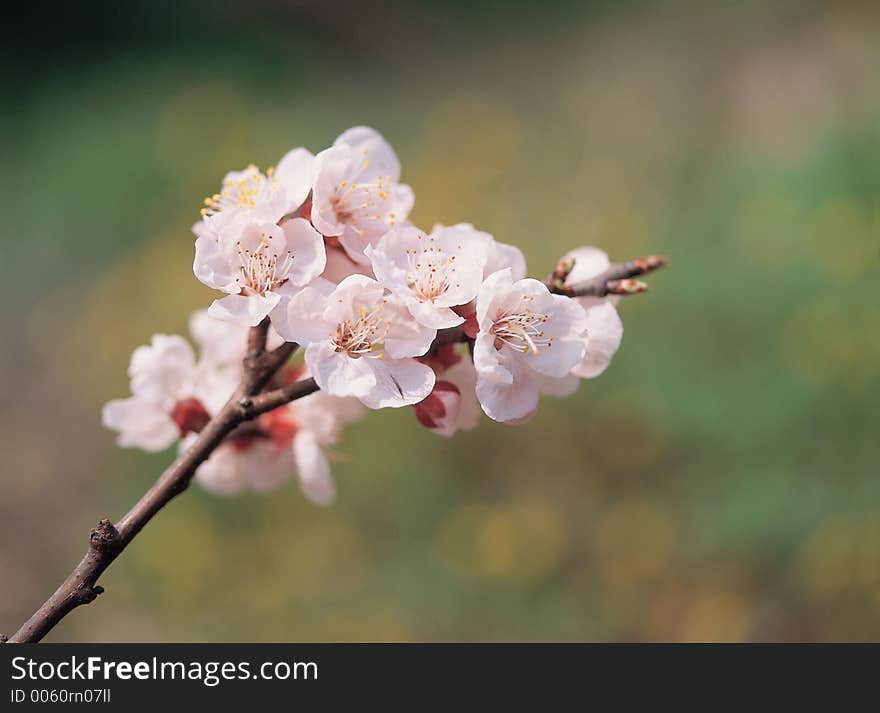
(356, 204)
(364, 336)
(521, 330)
(243, 193)
(263, 269)
(429, 274)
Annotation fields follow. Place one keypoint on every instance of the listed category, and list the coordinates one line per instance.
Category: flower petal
(212, 267)
(502, 255)
(399, 382)
(604, 334)
(294, 173)
(140, 423)
(315, 479)
(244, 309)
(300, 318)
(307, 247)
(505, 402)
(337, 373)
(370, 144)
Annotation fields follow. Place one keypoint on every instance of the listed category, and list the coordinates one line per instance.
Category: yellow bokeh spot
(843, 239)
(520, 541)
(716, 616)
(634, 541)
(825, 340)
(841, 556)
(769, 228)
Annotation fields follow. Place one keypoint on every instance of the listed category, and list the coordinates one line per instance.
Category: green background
(718, 482)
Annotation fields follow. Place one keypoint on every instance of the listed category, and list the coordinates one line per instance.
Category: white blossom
(433, 273)
(168, 393)
(359, 341)
(256, 264)
(527, 336)
(356, 195)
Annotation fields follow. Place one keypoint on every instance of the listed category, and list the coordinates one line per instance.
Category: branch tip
(626, 287)
(650, 263)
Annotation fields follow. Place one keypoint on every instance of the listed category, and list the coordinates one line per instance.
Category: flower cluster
(175, 394)
(389, 315)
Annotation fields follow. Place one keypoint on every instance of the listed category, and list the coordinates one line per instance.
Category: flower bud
(439, 411)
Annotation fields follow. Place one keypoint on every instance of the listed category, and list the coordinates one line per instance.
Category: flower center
(243, 193)
(263, 269)
(521, 330)
(357, 203)
(364, 335)
(431, 273)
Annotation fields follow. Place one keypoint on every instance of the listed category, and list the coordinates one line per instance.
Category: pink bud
(439, 411)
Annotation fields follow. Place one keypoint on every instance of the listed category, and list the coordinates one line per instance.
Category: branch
(259, 364)
(270, 400)
(106, 541)
(616, 280)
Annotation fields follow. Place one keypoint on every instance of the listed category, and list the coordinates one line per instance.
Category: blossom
(167, 396)
(604, 328)
(359, 341)
(433, 273)
(527, 339)
(256, 264)
(355, 193)
(292, 439)
(252, 195)
(175, 396)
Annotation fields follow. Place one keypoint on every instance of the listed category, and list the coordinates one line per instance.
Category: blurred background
(719, 482)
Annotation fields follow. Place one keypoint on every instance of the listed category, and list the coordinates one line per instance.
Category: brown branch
(616, 280)
(270, 400)
(106, 541)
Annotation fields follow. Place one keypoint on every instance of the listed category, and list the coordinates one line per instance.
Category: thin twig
(270, 400)
(616, 280)
(107, 541)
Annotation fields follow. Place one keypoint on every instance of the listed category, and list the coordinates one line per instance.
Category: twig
(616, 280)
(270, 400)
(107, 541)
